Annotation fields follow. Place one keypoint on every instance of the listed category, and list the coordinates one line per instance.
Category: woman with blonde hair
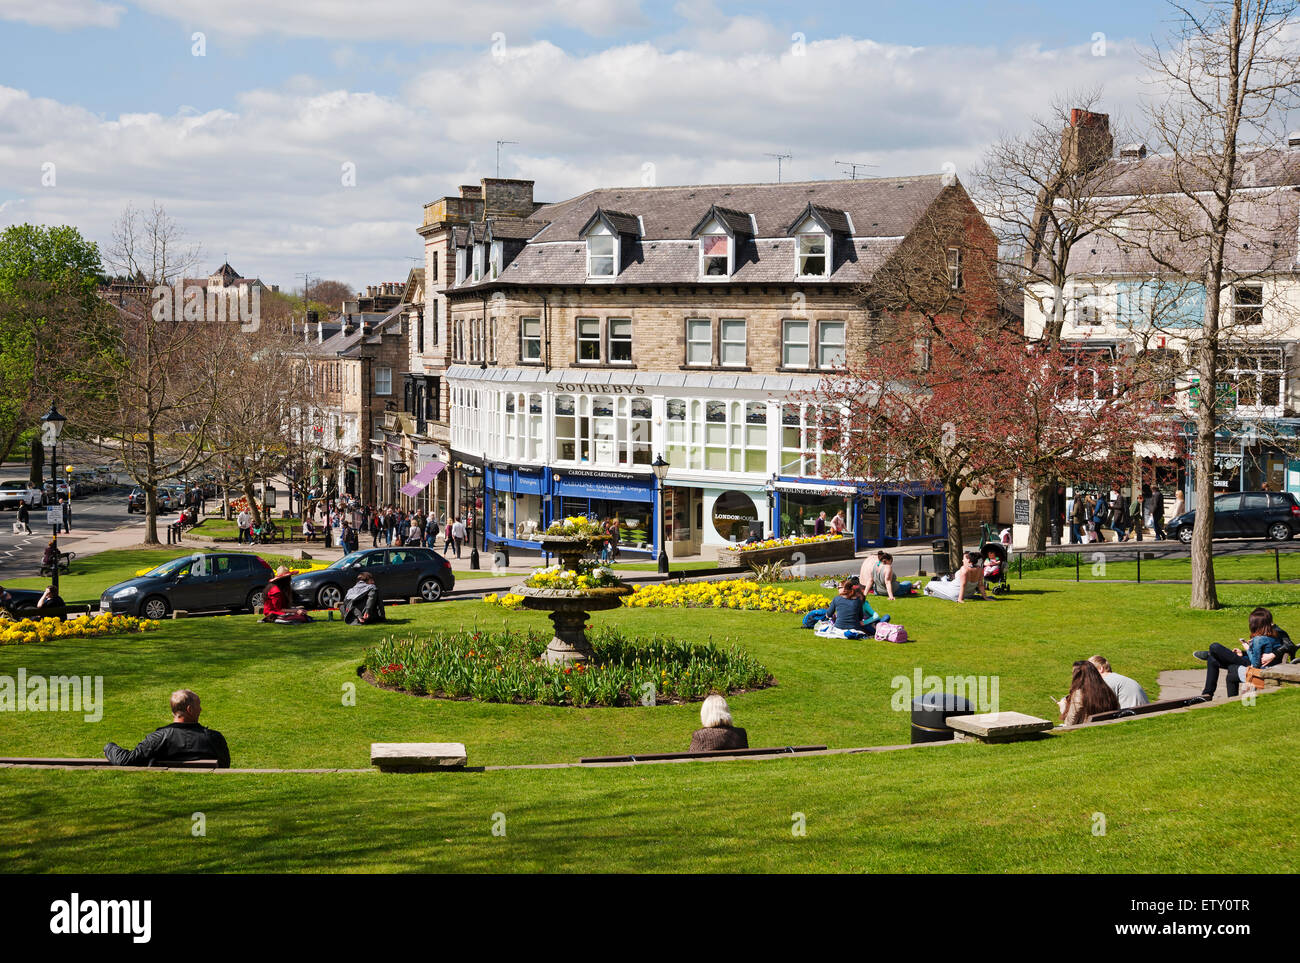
(718, 732)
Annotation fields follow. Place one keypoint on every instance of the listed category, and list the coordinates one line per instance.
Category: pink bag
(889, 632)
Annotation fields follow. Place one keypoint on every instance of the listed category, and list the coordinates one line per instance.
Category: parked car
(22, 605)
(14, 493)
(135, 501)
(1274, 515)
(200, 582)
(399, 573)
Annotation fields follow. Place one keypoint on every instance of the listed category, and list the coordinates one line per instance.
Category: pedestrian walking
(1119, 516)
(66, 503)
(23, 519)
(458, 535)
(1157, 509)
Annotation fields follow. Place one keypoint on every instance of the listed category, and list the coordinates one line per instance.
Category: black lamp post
(660, 468)
(476, 489)
(52, 426)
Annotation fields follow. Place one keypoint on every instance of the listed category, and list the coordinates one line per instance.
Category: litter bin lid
(946, 701)
(940, 545)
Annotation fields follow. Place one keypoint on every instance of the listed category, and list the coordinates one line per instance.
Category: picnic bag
(889, 632)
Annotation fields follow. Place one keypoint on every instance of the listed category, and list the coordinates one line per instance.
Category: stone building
(578, 341)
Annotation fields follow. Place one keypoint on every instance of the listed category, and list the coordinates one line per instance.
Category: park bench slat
(169, 764)
(1148, 708)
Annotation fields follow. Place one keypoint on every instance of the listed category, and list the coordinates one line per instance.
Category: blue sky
(244, 145)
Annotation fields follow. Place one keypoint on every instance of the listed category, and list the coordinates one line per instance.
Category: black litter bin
(939, 553)
(930, 716)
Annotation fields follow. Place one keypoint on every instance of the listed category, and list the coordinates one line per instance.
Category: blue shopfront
(524, 501)
(877, 517)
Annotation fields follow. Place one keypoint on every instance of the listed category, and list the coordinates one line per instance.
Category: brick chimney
(507, 197)
(1087, 142)
(471, 192)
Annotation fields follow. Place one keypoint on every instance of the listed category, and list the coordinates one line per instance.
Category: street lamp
(51, 427)
(476, 489)
(660, 468)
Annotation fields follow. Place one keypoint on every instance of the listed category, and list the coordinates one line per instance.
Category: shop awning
(422, 478)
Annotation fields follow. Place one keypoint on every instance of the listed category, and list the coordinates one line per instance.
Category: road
(20, 555)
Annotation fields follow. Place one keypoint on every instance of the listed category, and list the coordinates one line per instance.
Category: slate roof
(881, 211)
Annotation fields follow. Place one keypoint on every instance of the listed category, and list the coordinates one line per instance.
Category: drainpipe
(546, 331)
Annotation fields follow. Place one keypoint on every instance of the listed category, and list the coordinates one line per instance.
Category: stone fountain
(570, 608)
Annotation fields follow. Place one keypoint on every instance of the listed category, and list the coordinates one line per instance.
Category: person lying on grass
(718, 731)
(182, 741)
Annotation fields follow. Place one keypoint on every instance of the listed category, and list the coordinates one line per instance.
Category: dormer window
(478, 262)
(715, 255)
(494, 259)
(602, 253)
(460, 265)
(812, 248)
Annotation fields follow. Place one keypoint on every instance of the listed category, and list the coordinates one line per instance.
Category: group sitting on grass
(182, 741)
(848, 616)
(1267, 645)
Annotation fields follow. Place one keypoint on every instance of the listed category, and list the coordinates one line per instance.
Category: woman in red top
(275, 604)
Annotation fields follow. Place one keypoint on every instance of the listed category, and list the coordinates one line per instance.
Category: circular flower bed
(507, 666)
(743, 594)
(583, 577)
(26, 631)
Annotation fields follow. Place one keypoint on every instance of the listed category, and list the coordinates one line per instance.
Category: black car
(21, 604)
(399, 573)
(197, 583)
(1274, 515)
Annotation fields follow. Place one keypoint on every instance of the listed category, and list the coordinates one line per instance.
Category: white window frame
(580, 340)
(610, 339)
(823, 344)
(383, 380)
(494, 259)
(1237, 305)
(525, 338)
(705, 324)
(786, 343)
(603, 233)
(799, 255)
(724, 341)
(953, 264)
(460, 265)
(714, 230)
(478, 263)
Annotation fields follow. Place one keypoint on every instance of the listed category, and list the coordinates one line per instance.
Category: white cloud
(439, 21)
(262, 177)
(62, 14)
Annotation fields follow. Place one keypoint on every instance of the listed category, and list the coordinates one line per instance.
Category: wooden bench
(996, 727)
(101, 761)
(709, 754)
(1148, 708)
(417, 756)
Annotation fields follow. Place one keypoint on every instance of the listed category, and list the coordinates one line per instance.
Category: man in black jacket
(183, 740)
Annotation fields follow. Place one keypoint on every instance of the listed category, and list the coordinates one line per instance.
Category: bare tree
(1222, 86)
(1041, 190)
(160, 384)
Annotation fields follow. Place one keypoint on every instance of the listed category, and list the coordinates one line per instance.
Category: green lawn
(277, 692)
(1262, 567)
(672, 566)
